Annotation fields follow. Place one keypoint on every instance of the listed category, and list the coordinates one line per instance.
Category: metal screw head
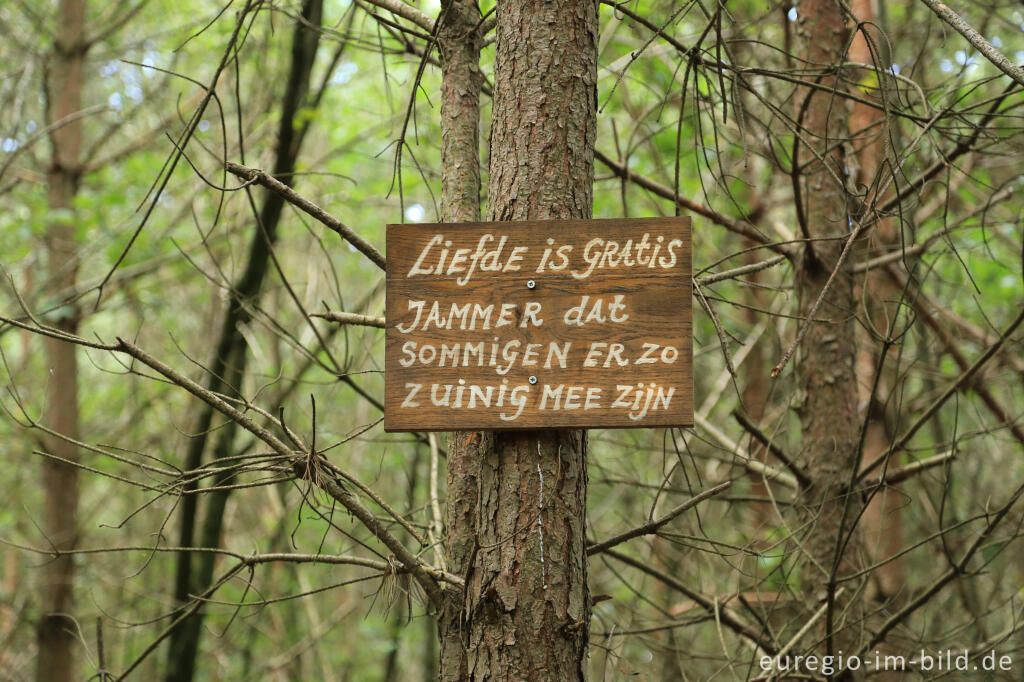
(531, 284)
(533, 379)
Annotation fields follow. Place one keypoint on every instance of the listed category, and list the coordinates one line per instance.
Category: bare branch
(406, 11)
(666, 193)
(728, 619)
(351, 318)
(247, 559)
(943, 11)
(751, 464)
(900, 474)
(947, 577)
(652, 527)
(801, 476)
(704, 280)
(291, 196)
(964, 379)
(299, 463)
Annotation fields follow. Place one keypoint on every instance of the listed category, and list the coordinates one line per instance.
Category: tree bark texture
(517, 501)
(460, 41)
(56, 634)
(826, 371)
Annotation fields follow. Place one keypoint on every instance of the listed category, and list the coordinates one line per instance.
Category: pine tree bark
(826, 373)
(56, 629)
(517, 501)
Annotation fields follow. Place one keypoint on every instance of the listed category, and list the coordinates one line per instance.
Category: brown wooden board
(474, 310)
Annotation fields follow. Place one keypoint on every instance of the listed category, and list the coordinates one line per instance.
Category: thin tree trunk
(525, 611)
(826, 374)
(56, 634)
(228, 368)
(882, 522)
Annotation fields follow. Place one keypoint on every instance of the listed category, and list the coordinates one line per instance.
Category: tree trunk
(826, 373)
(56, 630)
(882, 533)
(517, 501)
(194, 574)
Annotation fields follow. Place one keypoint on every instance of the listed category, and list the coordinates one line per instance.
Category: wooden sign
(538, 324)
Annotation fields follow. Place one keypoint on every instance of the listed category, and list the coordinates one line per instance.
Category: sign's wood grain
(539, 324)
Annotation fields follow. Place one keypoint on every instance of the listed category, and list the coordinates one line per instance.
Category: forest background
(196, 481)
